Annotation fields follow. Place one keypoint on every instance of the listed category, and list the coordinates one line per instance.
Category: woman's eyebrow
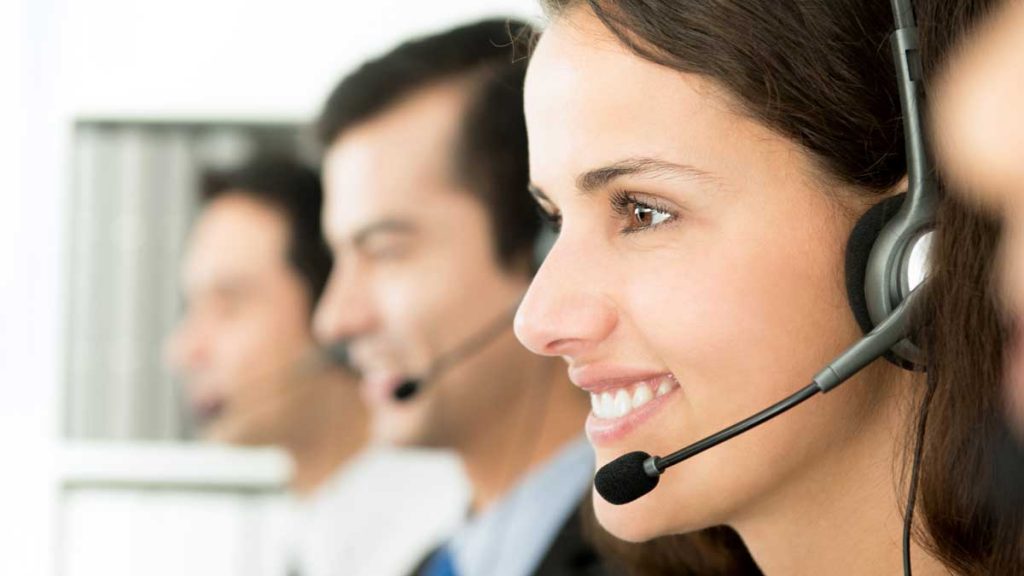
(597, 178)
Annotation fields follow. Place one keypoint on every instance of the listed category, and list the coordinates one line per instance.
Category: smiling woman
(705, 163)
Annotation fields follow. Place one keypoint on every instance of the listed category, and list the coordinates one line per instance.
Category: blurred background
(112, 113)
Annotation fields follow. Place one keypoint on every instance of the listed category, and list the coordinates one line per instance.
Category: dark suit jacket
(570, 553)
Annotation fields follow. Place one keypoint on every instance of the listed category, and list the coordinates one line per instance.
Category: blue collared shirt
(512, 536)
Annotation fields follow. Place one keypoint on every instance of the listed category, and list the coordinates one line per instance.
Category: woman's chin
(633, 522)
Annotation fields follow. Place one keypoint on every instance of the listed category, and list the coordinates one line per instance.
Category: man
(255, 266)
(434, 236)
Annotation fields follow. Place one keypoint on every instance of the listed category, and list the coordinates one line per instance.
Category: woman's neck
(845, 516)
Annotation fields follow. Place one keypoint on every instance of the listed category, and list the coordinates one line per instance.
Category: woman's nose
(565, 312)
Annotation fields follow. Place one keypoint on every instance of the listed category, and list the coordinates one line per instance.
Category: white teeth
(607, 405)
(623, 403)
(642, 395)
(620, 402)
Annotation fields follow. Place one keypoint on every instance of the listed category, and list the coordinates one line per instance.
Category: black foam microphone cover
(623, 480)
(407, 389)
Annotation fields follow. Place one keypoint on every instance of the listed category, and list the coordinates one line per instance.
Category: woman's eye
(639, 214)
(645, 216)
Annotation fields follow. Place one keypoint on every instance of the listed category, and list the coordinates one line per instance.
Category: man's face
(246, 325)
(415, 273)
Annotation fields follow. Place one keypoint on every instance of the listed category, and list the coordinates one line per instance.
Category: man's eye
(227, 307)
(388, 250)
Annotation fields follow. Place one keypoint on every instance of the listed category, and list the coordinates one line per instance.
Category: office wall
(30, 280)
(237, 58)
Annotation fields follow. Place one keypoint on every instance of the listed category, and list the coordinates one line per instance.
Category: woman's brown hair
(821, 74)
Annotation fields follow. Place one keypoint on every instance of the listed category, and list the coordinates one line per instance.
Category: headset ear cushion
(858, 251)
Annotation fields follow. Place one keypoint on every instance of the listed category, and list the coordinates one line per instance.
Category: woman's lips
(603, 431)
(621, 402)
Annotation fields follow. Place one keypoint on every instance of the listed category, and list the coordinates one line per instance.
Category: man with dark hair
(255, 267)
(434, 235)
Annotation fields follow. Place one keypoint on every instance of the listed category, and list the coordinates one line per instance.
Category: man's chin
(401, 430)
(226, 433)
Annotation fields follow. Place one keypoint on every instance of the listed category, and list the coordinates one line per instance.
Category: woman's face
(697, 279)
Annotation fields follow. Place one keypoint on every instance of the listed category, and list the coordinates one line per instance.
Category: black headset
(888, 249)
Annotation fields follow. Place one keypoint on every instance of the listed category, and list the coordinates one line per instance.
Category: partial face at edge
(696, 280)
(979, 129)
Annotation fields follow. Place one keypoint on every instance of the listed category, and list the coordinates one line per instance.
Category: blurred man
(434, 235)
(255, 266)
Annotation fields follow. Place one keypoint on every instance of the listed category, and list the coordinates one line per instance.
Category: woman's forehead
(582, 117)
(585, 103)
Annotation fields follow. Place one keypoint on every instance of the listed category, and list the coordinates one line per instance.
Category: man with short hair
(255, 267)
(434, 236)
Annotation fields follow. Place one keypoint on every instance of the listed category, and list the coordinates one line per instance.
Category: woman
(706, 162)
